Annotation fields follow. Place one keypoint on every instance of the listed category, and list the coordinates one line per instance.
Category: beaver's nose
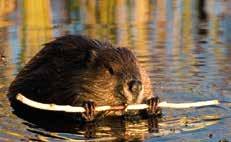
(135, 86)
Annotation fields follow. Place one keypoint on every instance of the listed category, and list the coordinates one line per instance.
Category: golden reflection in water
(176, 41)
(106, 19)
(160, 36)
(90, 20)
(6, 75)
(214, 22)
(122, 23)
(161, 21)
(104, 11)
(90, 10)
(176, 27)
(214, 35)
(6, 7)
(140, 24)
(187, 26)
(36, 27)
(187, 37)
(142, 17)
(99, 18)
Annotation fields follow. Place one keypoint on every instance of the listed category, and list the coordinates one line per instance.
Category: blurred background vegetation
(169, 29)
(141, 23)
(184, 44)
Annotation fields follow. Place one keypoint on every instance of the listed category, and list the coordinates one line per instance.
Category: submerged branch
(74, 109)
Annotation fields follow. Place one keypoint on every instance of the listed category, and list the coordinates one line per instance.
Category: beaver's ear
(90, 56)
(111, 71)
(112, 68)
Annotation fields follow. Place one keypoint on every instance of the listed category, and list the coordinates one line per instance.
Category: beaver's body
(74, 69)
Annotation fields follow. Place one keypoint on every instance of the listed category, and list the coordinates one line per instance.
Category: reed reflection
(6, 8)
(36, 27)
(184, 45)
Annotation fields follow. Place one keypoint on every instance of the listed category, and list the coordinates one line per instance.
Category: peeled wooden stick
(74, 109)
(188, 105)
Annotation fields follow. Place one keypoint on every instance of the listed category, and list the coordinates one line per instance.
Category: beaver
(77, 70)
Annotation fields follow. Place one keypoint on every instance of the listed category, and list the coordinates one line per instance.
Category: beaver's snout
(133, 91)
(135, 86)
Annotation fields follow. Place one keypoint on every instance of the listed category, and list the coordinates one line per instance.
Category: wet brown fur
(73, 69)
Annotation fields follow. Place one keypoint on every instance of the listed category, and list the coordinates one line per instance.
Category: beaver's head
(123, 67)
(113, 76)
(100, 72)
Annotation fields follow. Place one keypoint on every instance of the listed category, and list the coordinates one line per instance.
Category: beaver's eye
(111, 71)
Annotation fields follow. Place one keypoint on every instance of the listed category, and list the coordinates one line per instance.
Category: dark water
(185, 45)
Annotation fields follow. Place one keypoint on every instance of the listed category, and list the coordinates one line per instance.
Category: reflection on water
(184, 44)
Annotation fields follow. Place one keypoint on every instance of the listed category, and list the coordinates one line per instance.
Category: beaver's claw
(89, 113)
(153, 106)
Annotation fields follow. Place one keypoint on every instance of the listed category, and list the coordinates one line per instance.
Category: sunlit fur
(73, 69)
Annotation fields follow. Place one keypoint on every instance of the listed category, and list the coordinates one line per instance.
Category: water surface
(185, 45)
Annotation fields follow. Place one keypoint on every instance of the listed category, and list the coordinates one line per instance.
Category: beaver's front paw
(89, 113)
(153, 106)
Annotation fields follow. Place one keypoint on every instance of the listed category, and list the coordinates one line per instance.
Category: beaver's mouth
(125, 96)
(121, 97)
(131, 98)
